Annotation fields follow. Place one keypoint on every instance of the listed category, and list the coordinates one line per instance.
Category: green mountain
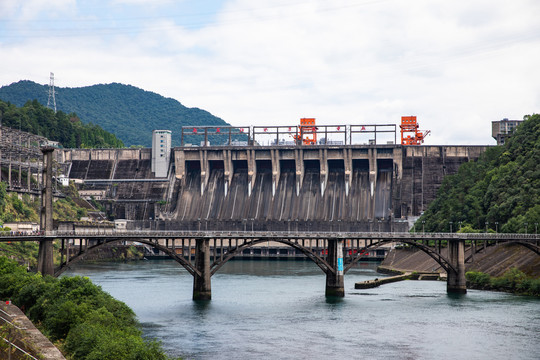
(65, 128)
(124, 110)
(501, 191)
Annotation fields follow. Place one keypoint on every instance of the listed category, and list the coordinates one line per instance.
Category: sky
(456, 65)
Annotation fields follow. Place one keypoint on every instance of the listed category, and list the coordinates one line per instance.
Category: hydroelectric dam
(333, 186)
(329, 201)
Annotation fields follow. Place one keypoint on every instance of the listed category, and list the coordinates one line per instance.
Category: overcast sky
(456, 65)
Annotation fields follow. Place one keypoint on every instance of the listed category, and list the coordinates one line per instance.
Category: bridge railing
(163, 234)
(108, 232)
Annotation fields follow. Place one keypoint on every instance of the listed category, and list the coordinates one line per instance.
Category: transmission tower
(52, 93)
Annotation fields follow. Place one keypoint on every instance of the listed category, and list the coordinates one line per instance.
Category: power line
(247, 17)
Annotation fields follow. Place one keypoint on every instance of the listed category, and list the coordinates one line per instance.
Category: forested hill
(65, 128)
(126, 111)
(501, 189)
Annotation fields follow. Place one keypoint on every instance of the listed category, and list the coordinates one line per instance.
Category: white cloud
(457, 66)
(36, 9)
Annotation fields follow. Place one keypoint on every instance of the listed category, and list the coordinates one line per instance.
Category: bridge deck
(188, 234)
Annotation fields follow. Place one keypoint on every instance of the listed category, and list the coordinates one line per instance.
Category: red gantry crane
(308, 132)
(409, 126)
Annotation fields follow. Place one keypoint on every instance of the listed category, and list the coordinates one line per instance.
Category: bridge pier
(456, 282)
(45, 253)
(335, 284)
(45, 258)
(201, 281)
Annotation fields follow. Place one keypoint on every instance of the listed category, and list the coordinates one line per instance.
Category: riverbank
(509, 268)
(78, 316)
(513, 281)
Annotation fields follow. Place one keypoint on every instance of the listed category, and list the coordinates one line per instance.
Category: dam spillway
(316, 199)
(317, 187)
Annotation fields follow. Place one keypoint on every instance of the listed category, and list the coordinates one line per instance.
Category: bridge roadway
(98, 233)
(340, 250)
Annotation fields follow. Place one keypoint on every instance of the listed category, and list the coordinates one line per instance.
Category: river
(277, 310)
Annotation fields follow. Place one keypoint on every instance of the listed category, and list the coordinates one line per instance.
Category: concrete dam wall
(320, 187)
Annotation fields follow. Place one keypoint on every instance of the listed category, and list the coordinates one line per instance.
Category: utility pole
(45, 252)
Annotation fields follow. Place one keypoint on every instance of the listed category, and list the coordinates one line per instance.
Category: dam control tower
(161, 152)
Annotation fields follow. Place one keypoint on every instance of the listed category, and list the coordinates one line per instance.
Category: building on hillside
(502, 129)
(161, 152)
(22, 227)
(120, 224)
(88, 194)
(63, 180)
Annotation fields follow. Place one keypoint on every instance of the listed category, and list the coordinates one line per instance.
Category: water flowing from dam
(315, 199)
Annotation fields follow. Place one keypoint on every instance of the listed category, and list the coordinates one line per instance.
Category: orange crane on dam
(308, 132)
(410, 133)
(410, 125)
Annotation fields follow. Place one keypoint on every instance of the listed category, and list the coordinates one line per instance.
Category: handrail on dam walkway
(289, 135)
(334, 252)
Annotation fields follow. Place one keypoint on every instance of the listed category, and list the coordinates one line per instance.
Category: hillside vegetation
(501, 190)
(13, 208)
(128, 112)
(26, 208)
(65, 128)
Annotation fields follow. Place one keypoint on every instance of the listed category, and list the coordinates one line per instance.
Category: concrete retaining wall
(25, 336)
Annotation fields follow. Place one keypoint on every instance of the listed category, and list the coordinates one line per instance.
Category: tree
(93, 324)
(501, 189)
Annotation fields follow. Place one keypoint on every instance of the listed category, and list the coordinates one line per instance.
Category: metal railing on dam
(290, 135)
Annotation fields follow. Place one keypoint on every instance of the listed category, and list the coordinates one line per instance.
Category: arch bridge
(203, 253)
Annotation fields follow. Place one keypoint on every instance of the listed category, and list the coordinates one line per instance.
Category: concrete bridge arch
(180, 259)
(432, 252)
(317, 259)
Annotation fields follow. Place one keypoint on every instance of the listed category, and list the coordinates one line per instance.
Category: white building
(63, 180)
(161, 152)
(88, 194)
(25, 227)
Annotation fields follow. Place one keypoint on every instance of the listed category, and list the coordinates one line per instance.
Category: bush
(513, 280)
(501, 283)
(88, 340)
(514, 277)
(534, 287)
(93, 323)
(478, 279)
